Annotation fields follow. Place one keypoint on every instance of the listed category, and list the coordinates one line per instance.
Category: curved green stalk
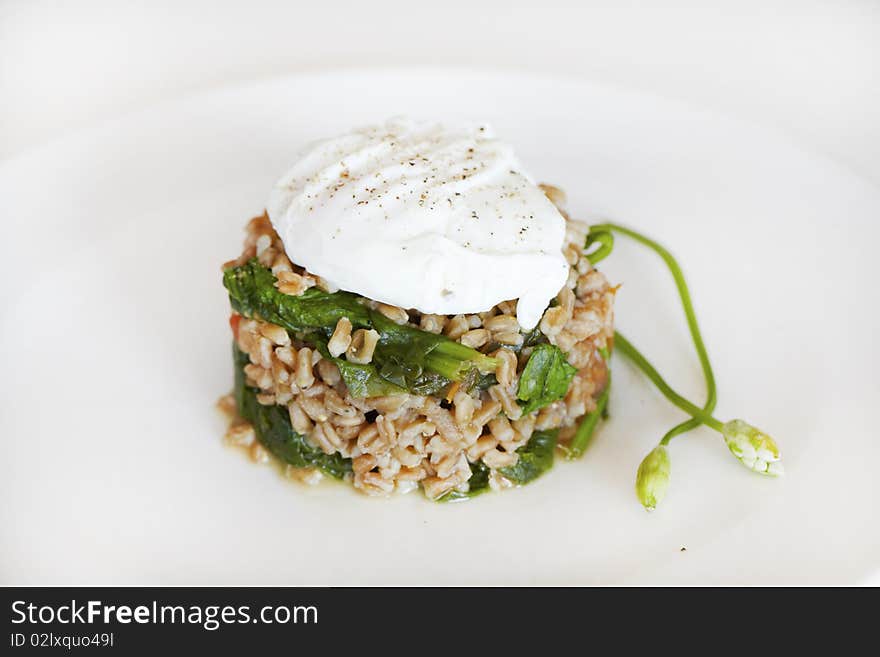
(693, 326)
(605, 239)
(698, 415)
(584, 433)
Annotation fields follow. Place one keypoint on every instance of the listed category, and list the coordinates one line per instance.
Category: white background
(809, 68)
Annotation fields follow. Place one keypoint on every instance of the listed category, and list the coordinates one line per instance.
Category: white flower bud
(652, 479)
(754, 448)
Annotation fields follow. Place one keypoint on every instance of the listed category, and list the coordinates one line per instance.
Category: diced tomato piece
(234, 321)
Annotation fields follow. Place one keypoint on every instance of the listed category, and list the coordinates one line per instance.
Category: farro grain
(390, 403)
(435, 487)
(463, 404)
(456, 327)
(524, 427)
(264, 352)
(341, 338)
(549, 417)
(309, 476)
(407, 456)
(432, 323)
(502, 324)
(415, 430)
(363, 344)
(411, 474)
(500, 428)
(498, 482)
(263, 243)
(226, 405)
(583, 326)
(373, 483)
(565, 340)
(299, 419)
(556, 195)
(566, 300)
(275, 334)
(503, 396)
(414, 439)
(331, 435)
(395, 314)
(475, 338)
(512, 338)
(553, 321)
(505, 373)
(314, 408)
(387, 433)
(281, 264)
(240, 434)
(346, 431)
(328, 372)
(572, 253)
(304, 375)
(293, 284)
(363, 463)
(286, 355)
(495, 458)
(591, 283)
(482, 445)
(325, 285)
(489, 409)
(507, 308)
(258, 453)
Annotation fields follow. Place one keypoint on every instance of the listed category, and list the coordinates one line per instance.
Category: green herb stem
(694, 328)
(605, 240)
(698, 414)
(462, 356)
(587, 427)
(406, 358)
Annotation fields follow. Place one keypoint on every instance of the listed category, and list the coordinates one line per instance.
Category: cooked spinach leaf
(477, 484)
(545, 378)
(407, 358)
(273, 429)
(535, 458)
(589, 422)
(252, 293)
(361, 380)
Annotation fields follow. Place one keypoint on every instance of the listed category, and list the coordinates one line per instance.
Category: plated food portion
(413, 311)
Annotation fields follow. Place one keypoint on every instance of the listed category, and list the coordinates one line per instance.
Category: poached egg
(420, 215)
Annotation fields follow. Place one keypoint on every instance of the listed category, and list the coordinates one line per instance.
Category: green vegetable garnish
(752, 447)
(362, 380)
(477, 484)
(545, 378)
(406, 359)
(604, 238)
(535, 458)
(590, 421)
(252, 293)
(273, 429)
(693, 327)
(652, 478)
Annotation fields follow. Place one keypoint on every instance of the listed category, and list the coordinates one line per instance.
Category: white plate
(114, 345)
